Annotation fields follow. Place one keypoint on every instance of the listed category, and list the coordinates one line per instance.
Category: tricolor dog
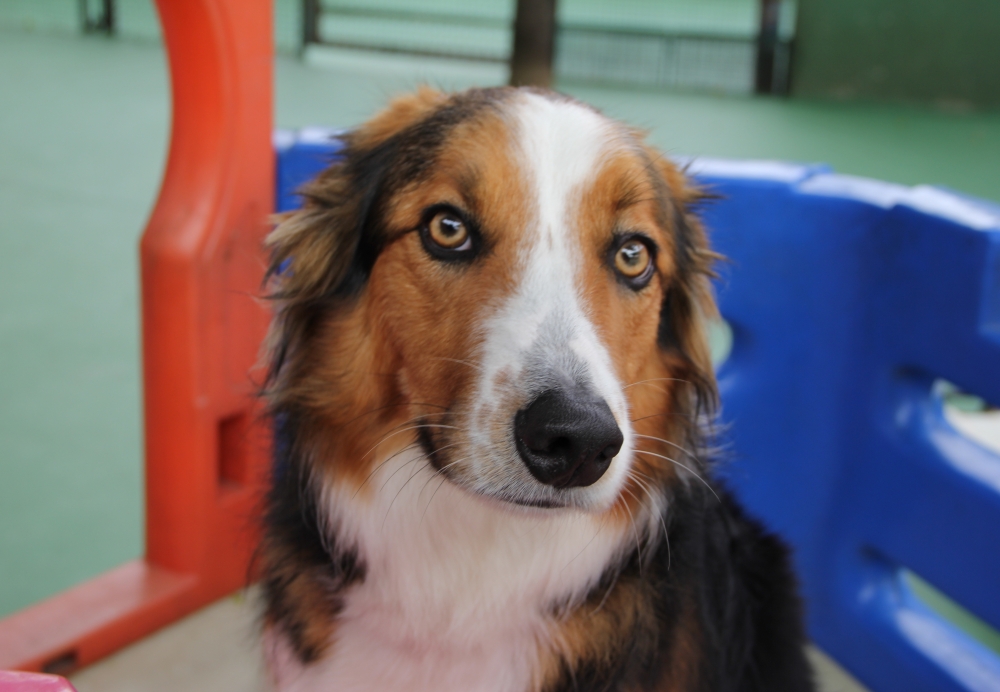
(490, 381)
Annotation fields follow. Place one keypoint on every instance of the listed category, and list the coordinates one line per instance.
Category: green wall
(945, 52)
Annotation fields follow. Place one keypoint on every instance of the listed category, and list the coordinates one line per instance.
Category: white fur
(459, 591)
(542, 336)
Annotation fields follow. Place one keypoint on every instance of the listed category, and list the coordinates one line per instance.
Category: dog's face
(508, 279)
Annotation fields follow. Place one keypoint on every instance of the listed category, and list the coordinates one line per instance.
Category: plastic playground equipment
(849, 301)
(201, 261)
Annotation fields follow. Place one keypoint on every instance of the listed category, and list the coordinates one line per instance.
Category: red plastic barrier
(202, 263)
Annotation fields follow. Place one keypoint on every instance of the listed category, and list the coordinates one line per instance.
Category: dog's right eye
(449, 231)
(446, 235)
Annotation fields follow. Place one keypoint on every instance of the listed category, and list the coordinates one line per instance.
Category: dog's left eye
(448, 231)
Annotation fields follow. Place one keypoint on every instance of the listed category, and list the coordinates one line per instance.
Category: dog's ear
(322, 253)
(314, 249)
(688, 301)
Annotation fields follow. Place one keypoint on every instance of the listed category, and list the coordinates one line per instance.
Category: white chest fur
(458, 591)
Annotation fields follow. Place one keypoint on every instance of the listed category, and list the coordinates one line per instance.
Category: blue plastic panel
(847, 299)
(300, 155)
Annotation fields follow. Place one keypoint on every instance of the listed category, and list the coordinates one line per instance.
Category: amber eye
(448, 231)
(632, 259)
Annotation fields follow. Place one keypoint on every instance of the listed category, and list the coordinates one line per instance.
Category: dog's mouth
(530, 503)
(561, 443)
(436, 452)
(432, 451)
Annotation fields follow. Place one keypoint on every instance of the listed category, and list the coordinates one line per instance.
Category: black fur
(293, 535)
(739, 579)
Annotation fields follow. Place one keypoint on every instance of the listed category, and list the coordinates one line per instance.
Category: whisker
(647, 488)
(657, 379)
(648, 478)
(592, 539)
(427, 482)
(635, 532)
(396, 429)
(391, 475)
(607, 593)
(419, 417)
(444, 479)
(672, 444)
(409, 462)
(413, 475)
(642, 484)
(460, 362)
(386, 461)
(664, 413)
(655, 386)
(638, 501)
(689, 470)
(390, 458)
(405, 403)
(413, 427)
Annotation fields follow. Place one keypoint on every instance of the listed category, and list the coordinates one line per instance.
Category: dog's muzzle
(567, 439)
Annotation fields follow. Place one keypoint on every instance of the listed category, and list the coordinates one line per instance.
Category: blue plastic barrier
(300, 156)
(848, 299)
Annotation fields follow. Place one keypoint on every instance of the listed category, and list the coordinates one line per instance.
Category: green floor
(83, 132)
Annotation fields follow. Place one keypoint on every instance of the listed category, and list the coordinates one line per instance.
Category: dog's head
(508, 279)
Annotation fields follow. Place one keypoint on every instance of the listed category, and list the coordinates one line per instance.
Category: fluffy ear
(313, 248)
(322, 253)
(688, 301)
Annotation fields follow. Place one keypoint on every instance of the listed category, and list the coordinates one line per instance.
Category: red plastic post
(201, 257)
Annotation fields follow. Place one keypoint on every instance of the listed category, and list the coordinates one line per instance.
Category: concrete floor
(83, 134)
(216, 650)
(213, 650)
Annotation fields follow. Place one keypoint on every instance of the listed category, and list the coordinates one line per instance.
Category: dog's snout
(567, 439)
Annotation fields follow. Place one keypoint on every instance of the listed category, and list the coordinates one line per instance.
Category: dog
(491, 387)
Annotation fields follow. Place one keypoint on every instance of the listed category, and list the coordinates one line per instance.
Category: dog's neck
(441, 561)
(456, 587)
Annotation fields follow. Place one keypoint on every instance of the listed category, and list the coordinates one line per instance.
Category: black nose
(567, 439)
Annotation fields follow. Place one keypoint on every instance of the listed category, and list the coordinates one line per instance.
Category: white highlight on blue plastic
(932, 200)
(317, 135)
(282, 139)
(982, 427)
(954, 448)
(970, 663)
(923, 198)
(285, 139)
(877, 192)
(777, 171)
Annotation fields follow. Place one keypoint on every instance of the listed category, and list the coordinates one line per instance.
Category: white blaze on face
(542, 336)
